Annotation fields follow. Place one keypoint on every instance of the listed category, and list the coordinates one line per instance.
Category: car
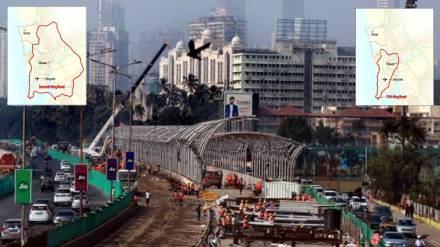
(406, 226)
(76, 202)
(40, 213)
(44, 201)
(47, 185)
(65, 166)
(318, 189)
(60, 177)
(72, 187)
(64, 186)
(339, 202)
(375, 221)
(384, 212)
(383, 228)
(62, 196)
(394, 239)
(330, 194)
(64, 216)
(356, 202)
(361, 212)
(69, 176)
(11, 230)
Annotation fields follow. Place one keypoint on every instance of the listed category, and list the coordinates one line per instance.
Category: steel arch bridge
(230, 144)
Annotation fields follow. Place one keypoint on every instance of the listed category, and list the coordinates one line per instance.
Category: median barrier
(90, 222)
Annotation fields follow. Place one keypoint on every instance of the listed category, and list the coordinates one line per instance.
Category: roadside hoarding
(112, 169)
(240, 104)
(81, 175)
(129, 160)
(23, 186)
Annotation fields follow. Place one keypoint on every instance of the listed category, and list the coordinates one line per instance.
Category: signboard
(47, 58)
(81, 175)
(240, 104)
(112, 169)
(129, 160)
(23, 186)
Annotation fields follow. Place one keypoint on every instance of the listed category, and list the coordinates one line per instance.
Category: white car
(76, 202)
(330, 194)
(356, 202)
(40, 213)
(62, 196)
(60, 177)
(64, 186)
(65, 166)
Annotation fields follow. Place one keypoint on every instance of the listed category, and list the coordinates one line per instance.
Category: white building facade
(305, 76)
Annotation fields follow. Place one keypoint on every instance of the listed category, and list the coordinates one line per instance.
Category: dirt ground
(162, 224)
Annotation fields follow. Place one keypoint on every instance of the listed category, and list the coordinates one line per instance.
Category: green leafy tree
(297, 129)
(325, 135)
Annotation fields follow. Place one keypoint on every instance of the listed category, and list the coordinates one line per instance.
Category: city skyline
(260, 27)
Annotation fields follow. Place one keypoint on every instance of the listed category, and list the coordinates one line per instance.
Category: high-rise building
(3, 64)
(235, 8)
(299, 29)
(389, 4)
(305, 75)
(111, 13)
(224, 28)
(151, 40)
(110, 32)
(292, 9)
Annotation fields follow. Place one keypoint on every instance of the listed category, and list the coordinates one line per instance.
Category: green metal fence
(356, 226)
(6, 185)
(67, 232)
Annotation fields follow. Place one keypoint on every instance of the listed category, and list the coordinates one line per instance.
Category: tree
(324, 135)
(297, 129)
(404, 132)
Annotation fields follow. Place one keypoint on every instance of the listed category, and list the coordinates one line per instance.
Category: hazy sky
(261, 15)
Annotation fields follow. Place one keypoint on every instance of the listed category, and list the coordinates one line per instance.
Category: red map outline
(392, 75)
(30, 59)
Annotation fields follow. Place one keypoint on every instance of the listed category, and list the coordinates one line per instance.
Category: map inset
(47, 56)
(394, 57)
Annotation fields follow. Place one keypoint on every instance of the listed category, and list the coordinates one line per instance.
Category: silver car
(11, 230)
(76, 202)
(64, 216)
(406, 226)
(394, 239)
(60, 177)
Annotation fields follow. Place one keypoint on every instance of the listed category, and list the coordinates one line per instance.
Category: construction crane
(91, 149)
(411, 4)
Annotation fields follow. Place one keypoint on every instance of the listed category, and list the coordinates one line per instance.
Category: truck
(212, 178)
(7, 162)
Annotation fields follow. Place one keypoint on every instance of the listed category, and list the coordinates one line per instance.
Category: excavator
(92, 149)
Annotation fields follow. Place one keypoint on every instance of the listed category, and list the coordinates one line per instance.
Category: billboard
(81, 175)
(112, 169)
(47, 56)
(240, 104)
(23, 186)
(129, 160)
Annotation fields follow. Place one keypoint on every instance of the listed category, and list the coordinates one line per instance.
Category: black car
(375, 221)
(384, 212)
(361, 212)
(47, 185)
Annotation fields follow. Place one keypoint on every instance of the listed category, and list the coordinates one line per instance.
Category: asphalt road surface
(8, 209)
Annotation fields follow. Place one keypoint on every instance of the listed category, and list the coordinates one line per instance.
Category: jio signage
(112, 169)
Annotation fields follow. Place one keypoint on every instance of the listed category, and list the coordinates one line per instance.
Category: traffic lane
(8, 209)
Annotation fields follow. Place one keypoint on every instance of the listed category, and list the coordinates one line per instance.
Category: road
(8, 209)
(162, 224)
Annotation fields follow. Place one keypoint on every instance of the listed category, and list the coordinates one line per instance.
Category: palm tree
(139, 111)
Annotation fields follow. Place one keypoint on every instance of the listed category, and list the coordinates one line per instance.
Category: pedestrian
(199, 211)
(176, 197)
(147, 198)
(411, 210)
(180, 197)
(406, 209)
(240, 184)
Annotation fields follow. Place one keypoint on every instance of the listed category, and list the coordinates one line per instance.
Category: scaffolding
(231, 144)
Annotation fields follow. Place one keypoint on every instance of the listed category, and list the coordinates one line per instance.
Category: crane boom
(91, 149)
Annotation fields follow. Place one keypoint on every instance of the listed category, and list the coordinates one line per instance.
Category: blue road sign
(129, 160)
(112, 169)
